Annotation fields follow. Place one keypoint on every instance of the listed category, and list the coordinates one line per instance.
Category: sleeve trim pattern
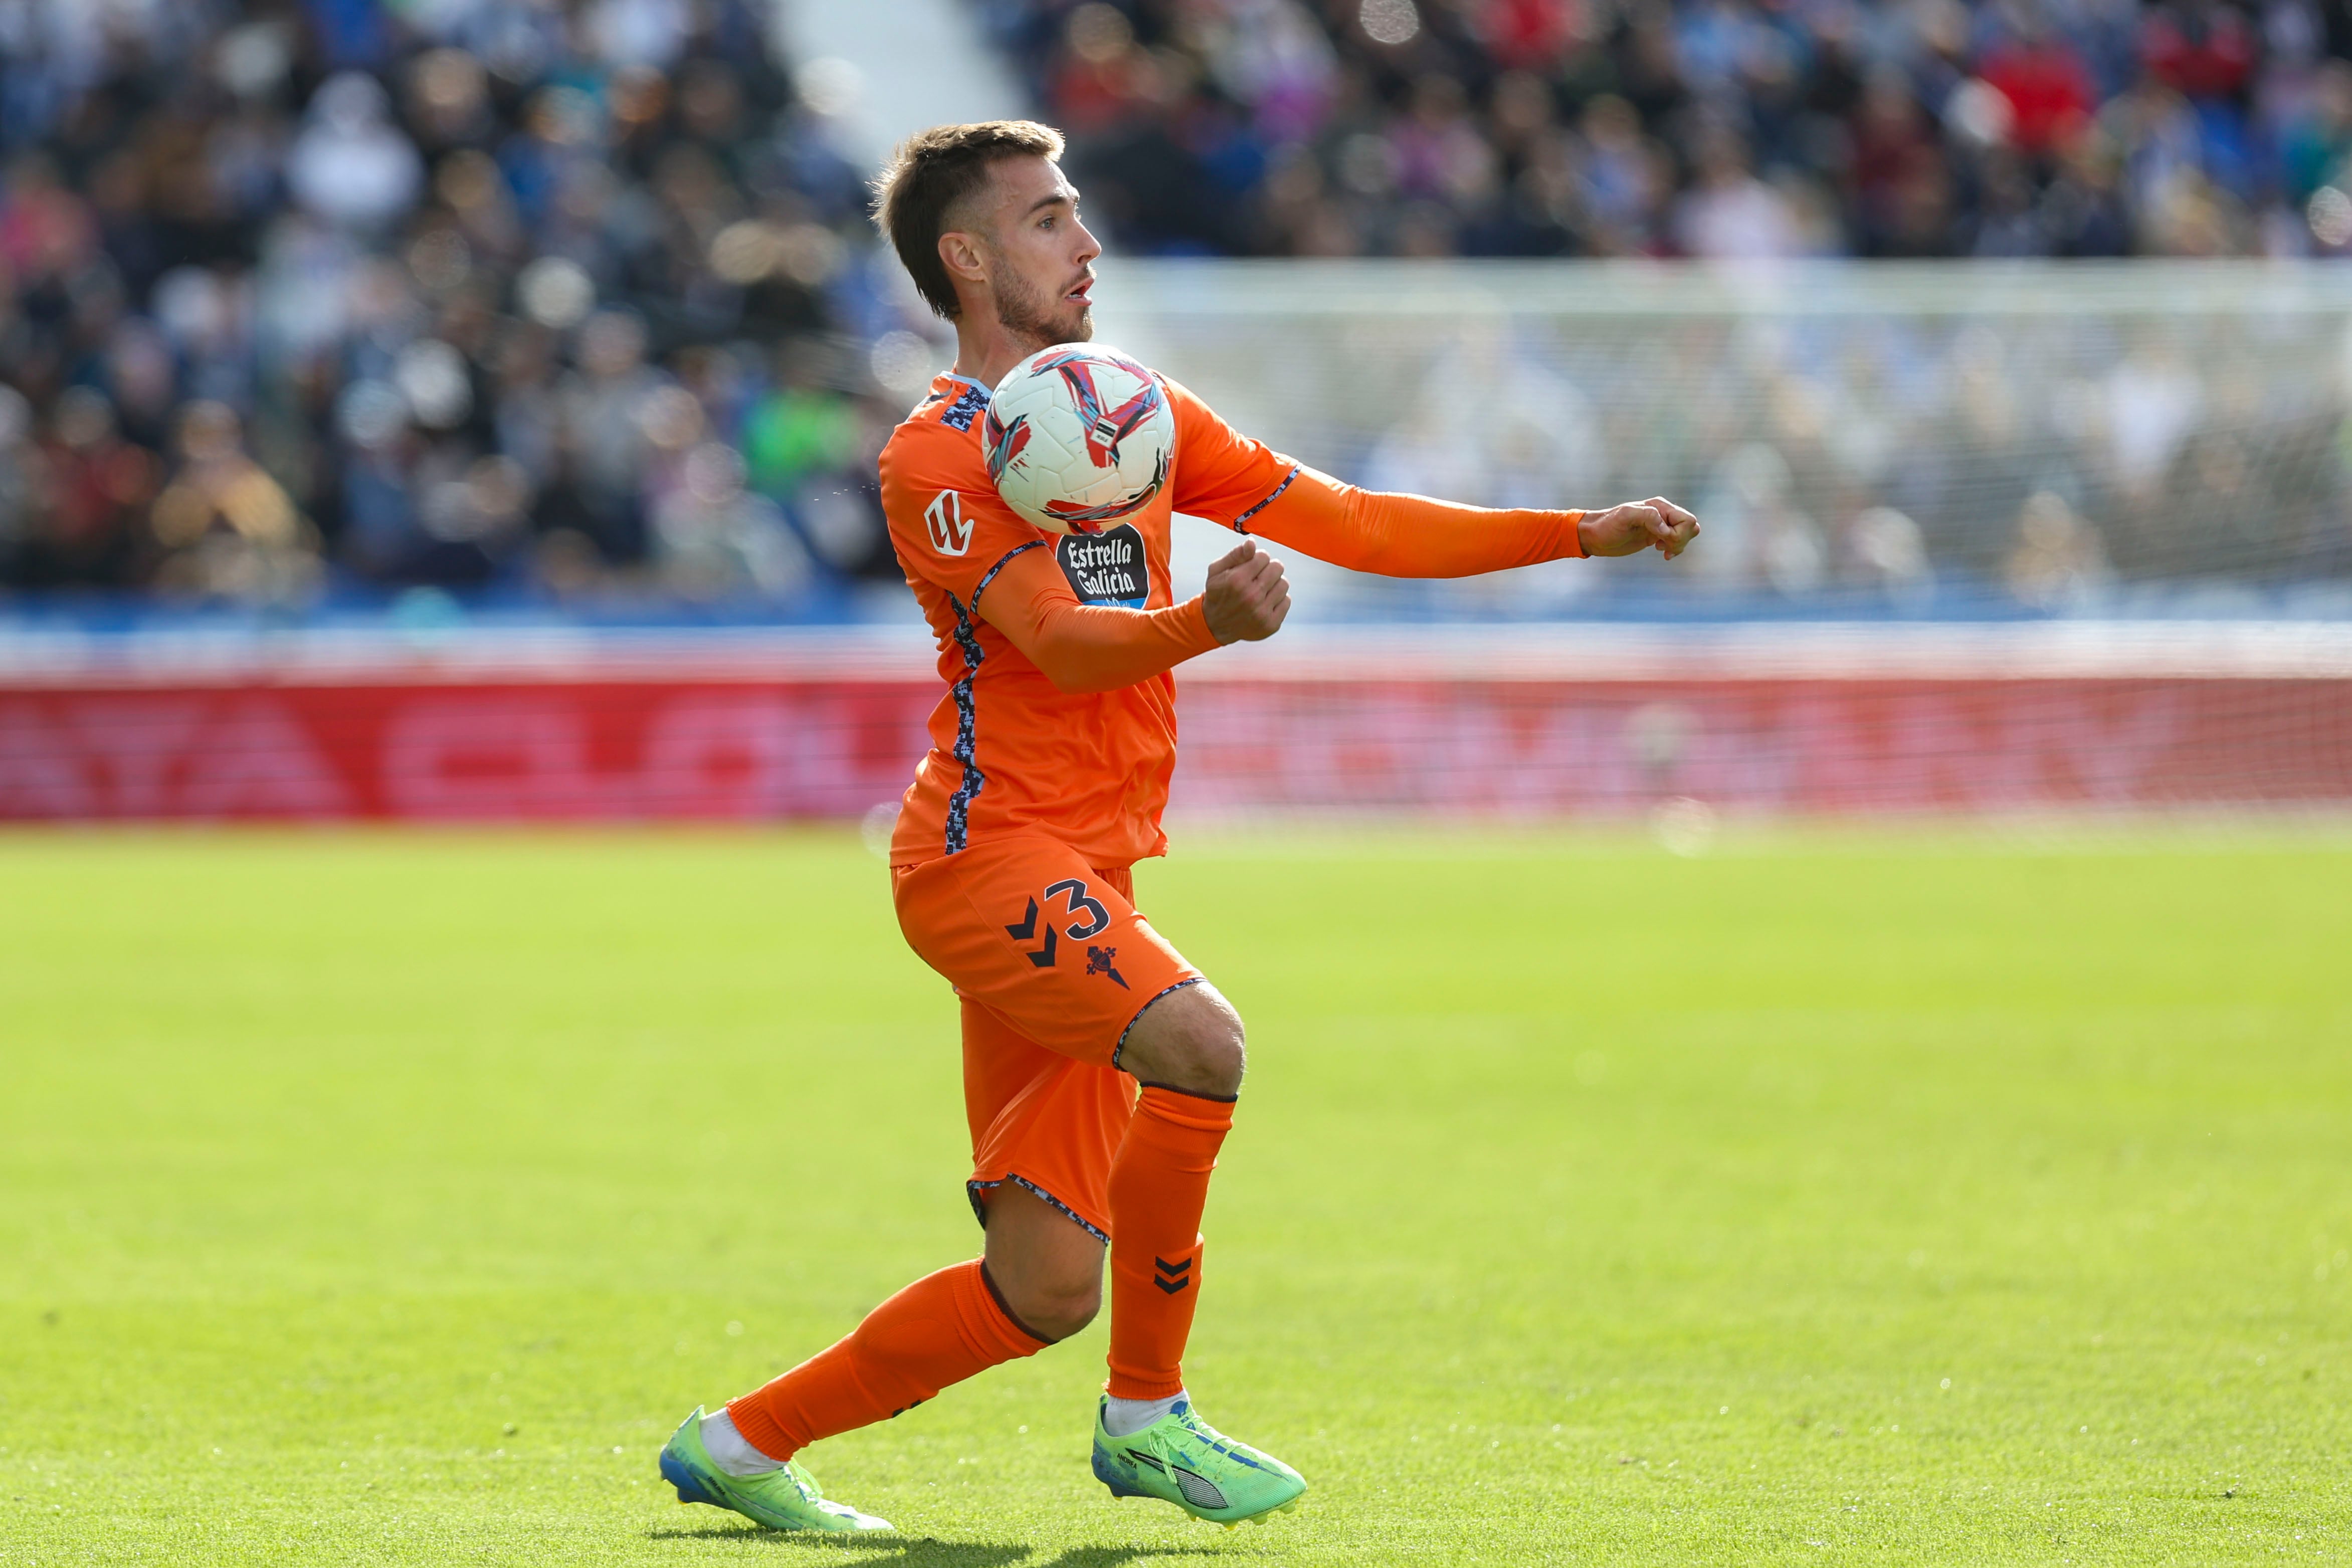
(967, 741)
(969, 405)
(1002, 560)
(1273, 495)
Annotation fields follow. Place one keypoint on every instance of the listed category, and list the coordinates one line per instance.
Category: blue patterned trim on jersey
(970, 403)
(967, 743)
(990, 576)
(1268, 501)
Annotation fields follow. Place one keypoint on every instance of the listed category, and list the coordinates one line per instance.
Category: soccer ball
(1078, 436)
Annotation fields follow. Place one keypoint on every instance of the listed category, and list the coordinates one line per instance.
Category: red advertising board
(769, 737)
(549, 749)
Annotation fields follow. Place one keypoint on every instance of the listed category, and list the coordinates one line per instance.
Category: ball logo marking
(1077, 437)
(1105, 428)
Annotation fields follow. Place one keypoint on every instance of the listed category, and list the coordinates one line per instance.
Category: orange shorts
(1054, 965)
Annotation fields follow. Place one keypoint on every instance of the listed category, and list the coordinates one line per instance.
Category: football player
(1101, 1070)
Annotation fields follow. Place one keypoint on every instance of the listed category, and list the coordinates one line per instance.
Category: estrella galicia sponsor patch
(1107, 568)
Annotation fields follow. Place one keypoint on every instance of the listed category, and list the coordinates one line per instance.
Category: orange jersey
(1060, 717)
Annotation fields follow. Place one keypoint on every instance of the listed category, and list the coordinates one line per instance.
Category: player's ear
(962, 256)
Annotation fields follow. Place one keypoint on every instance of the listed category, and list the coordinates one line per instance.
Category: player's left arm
(1400, 535)
(1227, 477)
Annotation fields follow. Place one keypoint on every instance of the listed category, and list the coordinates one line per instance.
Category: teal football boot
(781, 1500)
(1183, 1459)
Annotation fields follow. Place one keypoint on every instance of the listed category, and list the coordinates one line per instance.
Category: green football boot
(1183, 1459)
(781, 1500)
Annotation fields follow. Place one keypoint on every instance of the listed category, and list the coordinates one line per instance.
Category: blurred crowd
(1703, 127)
(563, 301)
(577, 302)
(2067, 461)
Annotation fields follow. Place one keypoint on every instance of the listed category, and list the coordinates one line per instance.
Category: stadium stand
(1707, 128)
(467, 409)
(574, 311)
(558, 306)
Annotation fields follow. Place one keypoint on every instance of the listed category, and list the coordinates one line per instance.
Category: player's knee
(1191, 1040)
(1054, 1308)
(1044, 1266)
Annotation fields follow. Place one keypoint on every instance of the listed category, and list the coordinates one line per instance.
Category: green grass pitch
(383, 1199)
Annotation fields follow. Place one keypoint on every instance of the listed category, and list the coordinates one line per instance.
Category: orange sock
(939, 1331)
(1158, 1185)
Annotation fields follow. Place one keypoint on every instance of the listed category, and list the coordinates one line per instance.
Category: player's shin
(939, 1331)
(1159, 1184)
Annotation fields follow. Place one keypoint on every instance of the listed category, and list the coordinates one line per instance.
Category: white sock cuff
(731, 1450)
(1124, 1417)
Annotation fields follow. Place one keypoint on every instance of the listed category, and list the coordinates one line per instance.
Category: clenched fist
(1636, 526)
(1246, 597)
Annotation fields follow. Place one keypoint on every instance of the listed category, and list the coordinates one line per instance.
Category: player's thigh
(1024, 926)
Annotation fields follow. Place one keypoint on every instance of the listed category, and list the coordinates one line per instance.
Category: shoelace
(1190, 1426)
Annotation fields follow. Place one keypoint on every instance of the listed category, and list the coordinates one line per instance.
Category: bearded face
(1040, 313)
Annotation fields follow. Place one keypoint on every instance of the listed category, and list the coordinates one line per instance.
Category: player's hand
(1246, 597)
(1637, 526)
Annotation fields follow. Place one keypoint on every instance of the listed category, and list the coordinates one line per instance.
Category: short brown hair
(931, 171)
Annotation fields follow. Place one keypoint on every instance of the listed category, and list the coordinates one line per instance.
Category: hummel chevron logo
(1026, 928)
(1173, 1277)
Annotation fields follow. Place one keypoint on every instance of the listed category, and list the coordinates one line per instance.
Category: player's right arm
(994, 564)
(1093, 647)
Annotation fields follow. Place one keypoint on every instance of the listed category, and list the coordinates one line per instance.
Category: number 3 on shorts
(1075, 892)
(1096, 917)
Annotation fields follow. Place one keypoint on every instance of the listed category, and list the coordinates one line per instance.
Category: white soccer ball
(1078, 436)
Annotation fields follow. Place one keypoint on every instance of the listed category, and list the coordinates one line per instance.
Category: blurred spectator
(2041, 75)
(2056, 562)
(1765, 539)
(331, 299)
(718, 541)
(349, 165)
(226, 529)
(20, 511)
(97, 489)
(1730, 214)
(1492, 427)
(1883, 550)
(800, 429)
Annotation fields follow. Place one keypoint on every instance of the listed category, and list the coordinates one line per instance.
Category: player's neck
(986, 350)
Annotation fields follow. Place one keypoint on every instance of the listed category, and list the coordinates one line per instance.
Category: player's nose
(1089, 246)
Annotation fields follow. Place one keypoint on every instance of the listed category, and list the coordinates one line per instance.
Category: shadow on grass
(1114, 1556)
(918, 1553)
(928, 1553)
